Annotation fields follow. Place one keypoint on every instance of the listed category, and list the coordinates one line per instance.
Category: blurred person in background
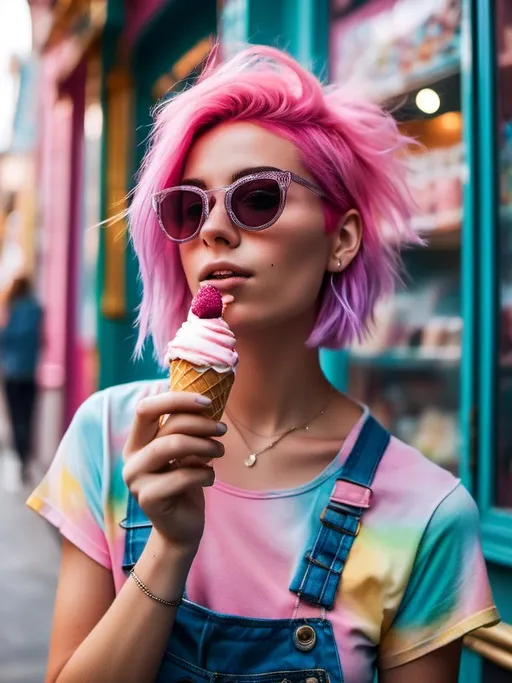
(20, 335)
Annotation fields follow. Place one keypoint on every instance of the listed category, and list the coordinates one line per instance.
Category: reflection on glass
(504, 122)
(408, 371)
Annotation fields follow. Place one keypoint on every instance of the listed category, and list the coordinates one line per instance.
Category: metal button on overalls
(304, 639)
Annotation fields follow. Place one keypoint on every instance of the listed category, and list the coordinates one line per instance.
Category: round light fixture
(428, 101)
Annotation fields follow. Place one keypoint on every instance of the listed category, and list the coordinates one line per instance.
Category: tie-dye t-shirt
(414, 581)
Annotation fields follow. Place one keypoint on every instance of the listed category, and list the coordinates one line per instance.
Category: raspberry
(207, 303)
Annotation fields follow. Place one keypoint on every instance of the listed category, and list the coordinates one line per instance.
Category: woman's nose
(218, 227)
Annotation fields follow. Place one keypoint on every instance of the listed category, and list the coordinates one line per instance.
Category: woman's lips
(226, 283)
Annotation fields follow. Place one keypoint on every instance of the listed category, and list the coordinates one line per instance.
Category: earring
(339, 264)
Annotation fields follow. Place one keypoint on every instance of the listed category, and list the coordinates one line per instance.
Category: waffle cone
(214, 385)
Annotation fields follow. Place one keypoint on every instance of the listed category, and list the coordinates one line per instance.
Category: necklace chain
(252, 458)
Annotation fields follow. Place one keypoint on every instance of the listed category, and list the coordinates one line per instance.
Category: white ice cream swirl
(205, 343)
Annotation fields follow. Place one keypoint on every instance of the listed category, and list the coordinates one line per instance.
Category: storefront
(436, 370)
(67, 175)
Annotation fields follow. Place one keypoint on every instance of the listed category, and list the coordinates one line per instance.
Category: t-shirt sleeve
(448, 593)
(70, 496)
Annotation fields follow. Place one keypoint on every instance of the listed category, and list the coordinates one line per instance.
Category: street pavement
(29, 552)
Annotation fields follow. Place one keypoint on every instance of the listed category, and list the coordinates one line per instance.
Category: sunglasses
(253, 203)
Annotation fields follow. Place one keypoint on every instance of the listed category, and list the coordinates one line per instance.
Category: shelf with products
(506, 212)
(505, 60)
(410, 48)
(420, 326)
(422, 411)
(399, 85)
(408, 369)
(444, 231)
(436, 177)
(409, 359)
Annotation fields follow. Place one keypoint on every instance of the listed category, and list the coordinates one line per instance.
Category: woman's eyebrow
(254, 169)
(199, 182)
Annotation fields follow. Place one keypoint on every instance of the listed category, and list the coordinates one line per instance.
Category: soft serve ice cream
(202, 355)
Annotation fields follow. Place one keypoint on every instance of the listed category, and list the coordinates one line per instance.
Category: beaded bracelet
(145, 589)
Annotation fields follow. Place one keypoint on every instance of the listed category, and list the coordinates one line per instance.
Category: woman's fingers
(159, 452)
(156, 491)
(194, 425)
(149, 410)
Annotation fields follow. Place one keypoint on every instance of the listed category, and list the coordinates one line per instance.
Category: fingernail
(204, 401)
(221, 428)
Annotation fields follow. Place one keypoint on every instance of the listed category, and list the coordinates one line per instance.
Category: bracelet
(145, 589)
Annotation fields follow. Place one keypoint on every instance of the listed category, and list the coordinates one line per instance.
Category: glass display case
(437, 366)
(408, 370)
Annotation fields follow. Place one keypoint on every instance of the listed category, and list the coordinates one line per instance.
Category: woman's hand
(167, 467)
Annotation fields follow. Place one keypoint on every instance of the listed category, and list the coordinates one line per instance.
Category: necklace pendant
(251, 460)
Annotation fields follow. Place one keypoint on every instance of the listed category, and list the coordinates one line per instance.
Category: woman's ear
(346, 241)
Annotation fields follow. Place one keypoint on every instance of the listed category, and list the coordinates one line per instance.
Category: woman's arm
(101, 638)
(439, 666)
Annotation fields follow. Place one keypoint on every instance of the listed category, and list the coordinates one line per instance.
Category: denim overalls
(207, 647)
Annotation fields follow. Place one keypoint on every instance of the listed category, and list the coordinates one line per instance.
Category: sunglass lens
(256, 202)
(181, 212)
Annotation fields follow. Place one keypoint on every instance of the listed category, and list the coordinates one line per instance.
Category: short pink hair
(353, 150)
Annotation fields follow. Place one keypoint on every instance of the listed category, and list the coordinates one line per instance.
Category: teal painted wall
(114, 352)
(174, 29)
(301, 27)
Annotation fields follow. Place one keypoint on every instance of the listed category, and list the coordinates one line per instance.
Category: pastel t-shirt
(415, 578)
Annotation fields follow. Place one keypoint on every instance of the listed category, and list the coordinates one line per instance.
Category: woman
(20, 341)
(262, 550)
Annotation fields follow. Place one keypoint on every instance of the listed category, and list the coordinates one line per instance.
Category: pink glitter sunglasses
(253, 203)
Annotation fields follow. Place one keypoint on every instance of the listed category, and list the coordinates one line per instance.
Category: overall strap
(319, 573)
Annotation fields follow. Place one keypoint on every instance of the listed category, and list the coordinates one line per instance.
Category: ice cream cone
(201, 357)
(216, 386)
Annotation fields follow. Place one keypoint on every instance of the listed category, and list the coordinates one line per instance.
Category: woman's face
(286, 261)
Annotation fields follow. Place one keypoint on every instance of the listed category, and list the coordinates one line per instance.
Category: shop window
(408, 371)
(503, 478)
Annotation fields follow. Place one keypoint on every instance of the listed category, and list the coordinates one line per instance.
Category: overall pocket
(176, 670)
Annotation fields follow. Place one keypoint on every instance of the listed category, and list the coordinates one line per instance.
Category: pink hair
(353, 150)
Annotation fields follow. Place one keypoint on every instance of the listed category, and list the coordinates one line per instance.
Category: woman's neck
(279, 382)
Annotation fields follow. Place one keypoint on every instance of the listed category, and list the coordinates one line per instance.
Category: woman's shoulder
(412, 484)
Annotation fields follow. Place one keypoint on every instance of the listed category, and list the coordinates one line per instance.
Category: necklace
(252, 458)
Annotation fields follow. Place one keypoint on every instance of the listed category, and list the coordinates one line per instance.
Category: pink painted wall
(55, 156)
(60, 194)
(75, 89)
(137, 16)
